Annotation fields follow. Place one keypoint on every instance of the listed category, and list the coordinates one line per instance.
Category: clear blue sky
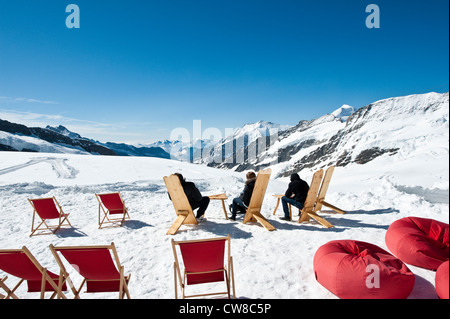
(137, 69)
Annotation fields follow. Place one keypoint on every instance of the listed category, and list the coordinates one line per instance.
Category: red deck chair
(47, 209)
(111, 204)
(203, 263)
(22, 264)
(95, 264)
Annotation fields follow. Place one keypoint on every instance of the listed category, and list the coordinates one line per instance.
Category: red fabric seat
(22, 264)
(203, 257)
(441, 281)
(98, 265)
(419, 242)
(204, 262)
(113, 203)
(357, 270)
(46, 208)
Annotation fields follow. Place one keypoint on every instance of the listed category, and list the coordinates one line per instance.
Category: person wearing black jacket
(195, 198)
(295, 195)
(241, 203)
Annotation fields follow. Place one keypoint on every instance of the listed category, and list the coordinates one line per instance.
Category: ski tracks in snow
(59, 166)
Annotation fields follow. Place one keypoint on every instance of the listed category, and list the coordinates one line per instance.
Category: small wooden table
(221, 197)
(279, 197)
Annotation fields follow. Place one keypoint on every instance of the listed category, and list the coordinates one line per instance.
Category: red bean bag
(357, 270)
(441, 281)
(418, 241)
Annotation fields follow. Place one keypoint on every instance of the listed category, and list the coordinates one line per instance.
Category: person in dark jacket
(241, 203)
(195, 198)
(295, 195)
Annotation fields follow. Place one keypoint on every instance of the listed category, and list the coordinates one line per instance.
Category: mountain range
(401, 127)
(18, 137)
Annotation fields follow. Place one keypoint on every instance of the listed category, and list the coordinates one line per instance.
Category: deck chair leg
(260, 218)
(33, 230)
(121, 283)
(32, 224)
(175, 279)
(77, 292)
(60, 284)
(176, 225)
(1, 286)
(126, 290)
(72, 287)
(100, 223)
(66, 219)
(321, 220)
(227, 281)
(250, 219)
(224, 209)
(43, 282)
(232, 276)
(183, 296)
(56, 229)
(99, 206)
(304, 217)
(276, 206)
(336, 209)
(9, 292)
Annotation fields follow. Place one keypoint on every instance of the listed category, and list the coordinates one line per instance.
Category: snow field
(276, 264)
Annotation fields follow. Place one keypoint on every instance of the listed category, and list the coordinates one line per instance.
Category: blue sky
(135, 70)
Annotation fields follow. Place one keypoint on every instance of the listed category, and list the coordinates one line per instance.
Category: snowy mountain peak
(344, 112)
(63, 131)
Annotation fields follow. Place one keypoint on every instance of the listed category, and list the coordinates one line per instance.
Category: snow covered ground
(276, 264)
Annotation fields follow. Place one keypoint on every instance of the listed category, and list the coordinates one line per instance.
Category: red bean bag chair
(418, 241)
(357, 270)
(441, 281)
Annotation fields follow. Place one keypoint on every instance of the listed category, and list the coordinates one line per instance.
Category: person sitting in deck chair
(240, 203)
(195, 198)
(295, 195)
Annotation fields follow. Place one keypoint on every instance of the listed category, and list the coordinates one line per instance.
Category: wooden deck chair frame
(229, 273)
(180, 202)
(2, 285)
(56, 286)
(323, 191)
(110, 222)
(44, 226)
(308, 211)
(253, 213)
(124, 280)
